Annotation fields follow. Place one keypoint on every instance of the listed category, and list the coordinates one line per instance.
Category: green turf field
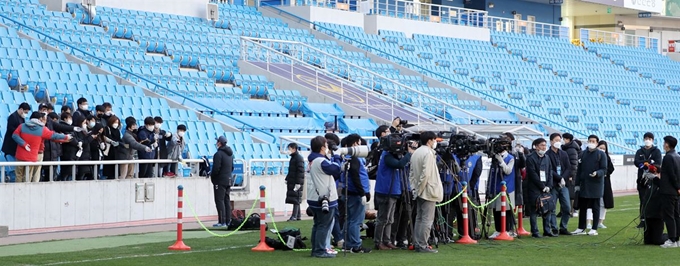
(151, 249)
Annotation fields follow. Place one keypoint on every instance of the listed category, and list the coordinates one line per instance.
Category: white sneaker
(575, 214)
(592, 232)
(589, 226)
(512, 234)
(579, 232)
(601, 226)
(331, 251)
(670, 244)
(494, 235)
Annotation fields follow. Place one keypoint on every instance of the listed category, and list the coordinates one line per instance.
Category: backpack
(204, 167)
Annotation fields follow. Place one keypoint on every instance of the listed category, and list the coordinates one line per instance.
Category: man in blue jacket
(502, 169)
(358, 194)
(470, 172)
(388, 189)
(321, 189)
(146, 136)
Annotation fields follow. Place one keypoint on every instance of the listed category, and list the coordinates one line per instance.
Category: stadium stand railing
(619, 39)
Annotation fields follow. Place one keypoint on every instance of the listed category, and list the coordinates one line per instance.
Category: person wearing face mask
(9, 146)
(294, 180)
(52, 149)
(519, 165)
(573, 149)
(358, 190)
(68, 149)
(29, 137)
(112, 139)
(127, 148)
(502, 169)
(668, 183)
(560, 173)
(176, 147)
(538, 176)
(649, 154)
(163, 137)
(82, 111)
(428, 189)
(590, 184)
(607, 200)
(107, 114)
(147, 137)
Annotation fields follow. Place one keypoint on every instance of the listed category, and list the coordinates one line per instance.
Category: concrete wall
(193, 8)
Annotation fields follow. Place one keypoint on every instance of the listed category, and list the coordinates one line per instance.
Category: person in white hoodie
(428, 189)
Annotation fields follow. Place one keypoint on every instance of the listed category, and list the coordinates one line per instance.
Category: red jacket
(33, 134)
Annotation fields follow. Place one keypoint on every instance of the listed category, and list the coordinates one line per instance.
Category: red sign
(671, 46)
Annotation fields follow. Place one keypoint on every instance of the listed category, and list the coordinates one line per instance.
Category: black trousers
(584, 204)
(146, 170)
(671, 215)
(642, 193)
(509, 220)
(223, 203)
(403, 215)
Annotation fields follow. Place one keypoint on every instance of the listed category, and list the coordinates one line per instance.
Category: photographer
(398, 125)
(358, 194)
(649, 154)
(502, 169)
(470, 172)
(428, 190)
(322, 195)
(561, 171)
(373, 158)
(388, 190)
(338, 237)
(538, 168)
(520, 164)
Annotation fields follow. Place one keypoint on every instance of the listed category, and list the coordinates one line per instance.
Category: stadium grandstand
(263, 74)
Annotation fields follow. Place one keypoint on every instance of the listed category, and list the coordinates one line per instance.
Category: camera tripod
(494, 171)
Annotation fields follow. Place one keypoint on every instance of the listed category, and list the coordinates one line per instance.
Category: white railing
(429, 12)
(621, 39)
(261, 50)
(192, 164)
(526, 27)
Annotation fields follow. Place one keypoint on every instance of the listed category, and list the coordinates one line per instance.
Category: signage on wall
(655, 6)
(671, 46)
(645, 15)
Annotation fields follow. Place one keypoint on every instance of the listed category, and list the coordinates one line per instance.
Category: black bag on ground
(251, 223)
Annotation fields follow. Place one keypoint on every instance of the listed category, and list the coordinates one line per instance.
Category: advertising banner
(673, 8)
(654, 6)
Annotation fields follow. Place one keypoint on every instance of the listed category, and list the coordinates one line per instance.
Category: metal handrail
(440, 76)
(380, 76)
(129, 73)
(367, 91)
(620, 39)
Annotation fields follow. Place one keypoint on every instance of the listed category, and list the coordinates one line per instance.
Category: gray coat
(175, 147)
(128, 146)
(591, 161)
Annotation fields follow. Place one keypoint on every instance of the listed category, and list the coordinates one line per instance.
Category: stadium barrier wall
(328, 15)
(193, 8)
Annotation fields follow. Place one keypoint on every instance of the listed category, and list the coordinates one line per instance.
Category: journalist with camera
(561, 171)
(502, 170)
(391, 186)
(322, 195)
(374, 156)
(428, 190)
(470, 170)
(354, 180)
(538, 169)
(398, 125)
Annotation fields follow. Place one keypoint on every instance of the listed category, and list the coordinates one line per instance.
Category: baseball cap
(221, 139)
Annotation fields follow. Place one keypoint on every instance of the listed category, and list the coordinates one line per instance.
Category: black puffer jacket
(295, 176)
(223, 165)
(573, 150)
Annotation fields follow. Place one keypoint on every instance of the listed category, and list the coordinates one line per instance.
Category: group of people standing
(85, 135)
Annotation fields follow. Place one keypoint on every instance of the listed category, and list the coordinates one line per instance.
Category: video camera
(398, 143)
(463, 145)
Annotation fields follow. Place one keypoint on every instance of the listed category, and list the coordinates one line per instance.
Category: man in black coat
(52, 149)
(538, 177)
(162, 138)
(649, 154)
(561, 171)
(9, 146)
(294, 180)
(590, 184)
(573, 150)
(669, 189)
(223, 165)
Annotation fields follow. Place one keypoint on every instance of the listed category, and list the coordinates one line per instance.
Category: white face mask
(592, 146)
(649, 143)
(504, 153)
(84, 107)
(22, 114)
(540, 152)
(109, 113)
(601, 150)
(434, 145)
(557, 145)
(69, 122)
(149, 128)
(180, 133)
(115, 125)
(91, 125)
(157, 126)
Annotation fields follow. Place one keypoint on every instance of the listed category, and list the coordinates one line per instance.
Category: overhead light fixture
(491, 5)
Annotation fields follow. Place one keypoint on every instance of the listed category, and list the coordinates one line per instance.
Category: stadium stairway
(522, 73)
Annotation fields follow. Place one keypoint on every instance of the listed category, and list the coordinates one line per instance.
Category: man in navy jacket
(388, 189)
(561, 172)
(358, 194)
(147, 137)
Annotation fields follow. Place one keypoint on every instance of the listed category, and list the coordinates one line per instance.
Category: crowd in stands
(85, 135)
